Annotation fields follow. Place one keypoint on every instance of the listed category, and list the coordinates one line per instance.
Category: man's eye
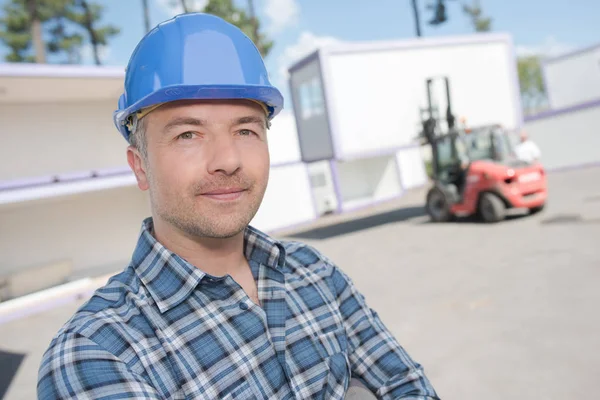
(246, 132)
(186, 135)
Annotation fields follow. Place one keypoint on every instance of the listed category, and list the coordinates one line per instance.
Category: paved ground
(491, 311)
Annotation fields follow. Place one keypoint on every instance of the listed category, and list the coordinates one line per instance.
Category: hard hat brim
(268, 95)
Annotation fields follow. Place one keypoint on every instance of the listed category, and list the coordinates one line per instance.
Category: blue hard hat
(194, 56)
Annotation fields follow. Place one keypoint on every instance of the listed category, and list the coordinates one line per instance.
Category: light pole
(417, 19)
(146, 15)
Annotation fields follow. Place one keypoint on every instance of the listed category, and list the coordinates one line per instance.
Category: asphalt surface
(499, 311)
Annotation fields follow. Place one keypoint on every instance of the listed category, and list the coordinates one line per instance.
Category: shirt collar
(170, 279)
(263, 249)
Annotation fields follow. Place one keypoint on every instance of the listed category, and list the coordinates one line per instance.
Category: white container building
(357, 108)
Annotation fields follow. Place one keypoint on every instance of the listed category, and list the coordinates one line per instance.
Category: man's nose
(225, 155)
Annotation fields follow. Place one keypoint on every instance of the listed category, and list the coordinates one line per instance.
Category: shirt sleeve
(75, 367)
(376, 358)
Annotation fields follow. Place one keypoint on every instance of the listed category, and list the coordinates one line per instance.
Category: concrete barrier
(22, 281)
(48, 299)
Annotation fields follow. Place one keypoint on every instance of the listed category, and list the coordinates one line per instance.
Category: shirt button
(243, 306)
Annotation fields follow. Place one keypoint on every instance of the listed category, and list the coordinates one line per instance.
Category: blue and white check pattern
(163, 329)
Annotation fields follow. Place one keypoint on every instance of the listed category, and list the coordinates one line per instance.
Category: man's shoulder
(101, 340)
(305, 262)
(107, 314)
(305, 256)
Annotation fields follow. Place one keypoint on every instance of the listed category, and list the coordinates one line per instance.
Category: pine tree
(88, 15)
(22, 28)
(34, 29)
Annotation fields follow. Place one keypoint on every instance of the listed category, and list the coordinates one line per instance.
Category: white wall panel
(93, 230)
(368, 180)
(288, 199)
(377, 94)
(574, 79)
(412, 167)
(47, 139)
(283, 139)
(568, 139)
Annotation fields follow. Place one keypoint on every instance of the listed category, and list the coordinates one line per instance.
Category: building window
(311, 98)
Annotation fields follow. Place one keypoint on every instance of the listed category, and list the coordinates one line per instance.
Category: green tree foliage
(475, 14)
(533, 92)
(88, 14)
(33, 29)
(63, 40)
(243, 19)
(15, 33)
(21, 28)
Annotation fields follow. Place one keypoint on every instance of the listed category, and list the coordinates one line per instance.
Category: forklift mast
(450, 119)
(449, 116)
(430, 123)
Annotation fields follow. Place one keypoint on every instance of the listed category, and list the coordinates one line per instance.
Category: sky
(298, 26)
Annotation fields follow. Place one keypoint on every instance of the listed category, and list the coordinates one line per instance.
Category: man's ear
(138, 166)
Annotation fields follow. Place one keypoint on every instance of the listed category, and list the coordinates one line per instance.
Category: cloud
(87, 54)
(551, 47)
(281, 13)
(307, 43)
(173, 7)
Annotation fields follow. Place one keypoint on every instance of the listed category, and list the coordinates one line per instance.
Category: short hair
(137, 137)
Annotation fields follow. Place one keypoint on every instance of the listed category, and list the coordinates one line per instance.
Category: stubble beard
(216, 221)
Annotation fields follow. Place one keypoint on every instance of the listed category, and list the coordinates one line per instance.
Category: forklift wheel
(537, 209)
(438, 207)
(491, 208)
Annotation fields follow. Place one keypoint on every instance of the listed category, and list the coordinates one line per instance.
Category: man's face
(207, 167)
(523, 136)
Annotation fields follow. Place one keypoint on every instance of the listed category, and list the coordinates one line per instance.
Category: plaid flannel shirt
(163, 329)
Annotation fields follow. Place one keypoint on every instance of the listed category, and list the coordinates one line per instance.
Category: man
(527, 150)
(209, 307)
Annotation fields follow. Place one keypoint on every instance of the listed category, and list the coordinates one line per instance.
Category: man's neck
(214, 256)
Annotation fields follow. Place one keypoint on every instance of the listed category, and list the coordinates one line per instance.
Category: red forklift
(475, 170)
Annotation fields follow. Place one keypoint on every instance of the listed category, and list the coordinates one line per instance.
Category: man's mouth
(225, 194)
